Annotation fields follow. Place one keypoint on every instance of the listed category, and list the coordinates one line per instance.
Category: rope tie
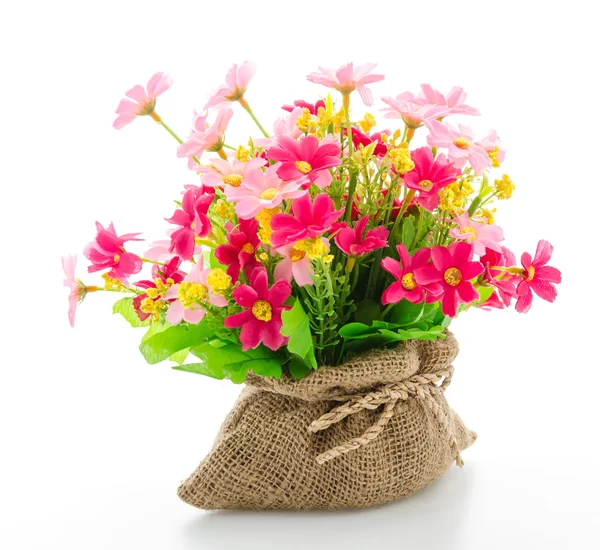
(420, 386)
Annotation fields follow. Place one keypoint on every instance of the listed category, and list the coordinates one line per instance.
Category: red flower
(406, 286)
(354, 242)
(308, 221)
(537, 276)
(429, 176)
(313, 109)
(505, 282)
(193, 219)
(360, 138)
(453, 269)
(108, 251)
(261, 320)
(239, 253)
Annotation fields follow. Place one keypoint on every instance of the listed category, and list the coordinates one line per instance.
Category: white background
(94, 441)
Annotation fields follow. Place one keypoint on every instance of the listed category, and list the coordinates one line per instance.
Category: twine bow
(420, 386)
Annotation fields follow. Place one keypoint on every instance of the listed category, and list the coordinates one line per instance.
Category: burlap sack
(367, 432)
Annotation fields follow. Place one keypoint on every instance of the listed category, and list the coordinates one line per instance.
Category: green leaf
(367, 311)
(355, 330)
(298, 368)
(297, 327)
(484, 293)
(179, 357)
(405, 313)
(408, 232)
(124, 307)
(163, 344)
(155, 328)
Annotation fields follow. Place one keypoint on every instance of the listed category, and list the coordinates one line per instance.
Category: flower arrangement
(322, 239)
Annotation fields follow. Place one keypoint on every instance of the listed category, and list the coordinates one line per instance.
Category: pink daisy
(480, 235)
(355, 242)
(413, 113)
(240, 250)
(295, 265)
(453, 103)
(236, 82)
(222, 173)
(205, 137)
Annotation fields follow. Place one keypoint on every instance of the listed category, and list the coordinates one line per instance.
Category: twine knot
(420, 386)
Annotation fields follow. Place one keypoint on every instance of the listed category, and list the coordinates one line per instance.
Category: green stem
(229, 147)
(147, 261)
(387, 310)
(175, 136)
(246, 106)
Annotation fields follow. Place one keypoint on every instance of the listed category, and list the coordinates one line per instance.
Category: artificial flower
(453, 103)
(205, 137)
(239, 253)
(295, 265)
(504, 281)
(236, 82)
(222, 173)
(491, 143)
(481, 235)
(355, 242)
(313, 108)
(413, 113)
(77, 290)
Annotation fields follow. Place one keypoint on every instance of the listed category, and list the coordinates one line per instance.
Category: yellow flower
(218, 281)
(504, 187)
(306, 122)
(314, 248)
(110, 283)
(493, 154)
(264, 222)
(191, 294)
(367, 123)
(224, 209)
(242, 154)
(402, 161)
(447, 198)
(488, 215)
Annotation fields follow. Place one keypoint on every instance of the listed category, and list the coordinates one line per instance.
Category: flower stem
(246, 106)
(147, 261)
(173, 134)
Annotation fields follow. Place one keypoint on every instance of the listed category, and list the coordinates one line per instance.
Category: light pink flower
(413, 113)
(205, 137)
(454, 102)
(346, 79)
(295, 265)
(192, 313)
(77, 288)
(491, 143)
(480, 235)
(287, 126)
(236, 82)
(460, 144)
(160, 251)
(263, 190)
(140, 102)
(222, 173)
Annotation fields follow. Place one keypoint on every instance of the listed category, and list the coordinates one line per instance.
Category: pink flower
(429, 177)
(347, 79)
(306, 159)
(236, 82)
(261, 318)
(192, 219)
(307, 222)
(360, 138)
(205, 137)
(160, 251)
(239, 252)
(453, 270)
(505, 282)
(263, 190)
(295, 265)
(454, 102)
(355, 242)
(480, 235)
(191, 295)
(406, 286)
(410, 110)
(491, 143)
(460, 144)
(313, 108)
(77, 289)
(284, 127)
(222, 173)
(537, 276)
(140, 102)
(107, 251)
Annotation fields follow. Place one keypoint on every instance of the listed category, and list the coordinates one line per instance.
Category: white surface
(94, 441)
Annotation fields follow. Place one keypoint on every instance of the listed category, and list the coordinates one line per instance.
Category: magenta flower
(236, 82)
(347, 79)
(222, 173)
(410, 110)
(263, 190)
(313, 108)
(429, 177)
(537, 276)
(355, 242)
(453, 270)
(460, 144)
(190, 296)
(140, 102)
(454, 102)
(307, 222)
(261, 319)
(107, 251)
(295, 265)
(406, 285)
(306, 159)
(360, 138)
(193, 220)
(239, 252)
(481, 235)
(205, 137)
(504, 281)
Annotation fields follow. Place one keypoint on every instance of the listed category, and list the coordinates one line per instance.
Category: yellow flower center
(248, 248)
(452, 276)
(408, 281)
(218, 281)
(235, 180)
(530, 273)
(116, 258)
(426, 185)
(268, 194)
(297, 255)
(493, 154)
(470, 232)
(190, 294)
(314, 248)
(303, 166)
(262, 310)
(462, 142)
(153, 307)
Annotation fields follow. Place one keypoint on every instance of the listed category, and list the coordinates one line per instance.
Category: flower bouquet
(322, 264)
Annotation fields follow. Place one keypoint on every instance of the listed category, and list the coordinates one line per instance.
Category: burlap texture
(265, 457)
